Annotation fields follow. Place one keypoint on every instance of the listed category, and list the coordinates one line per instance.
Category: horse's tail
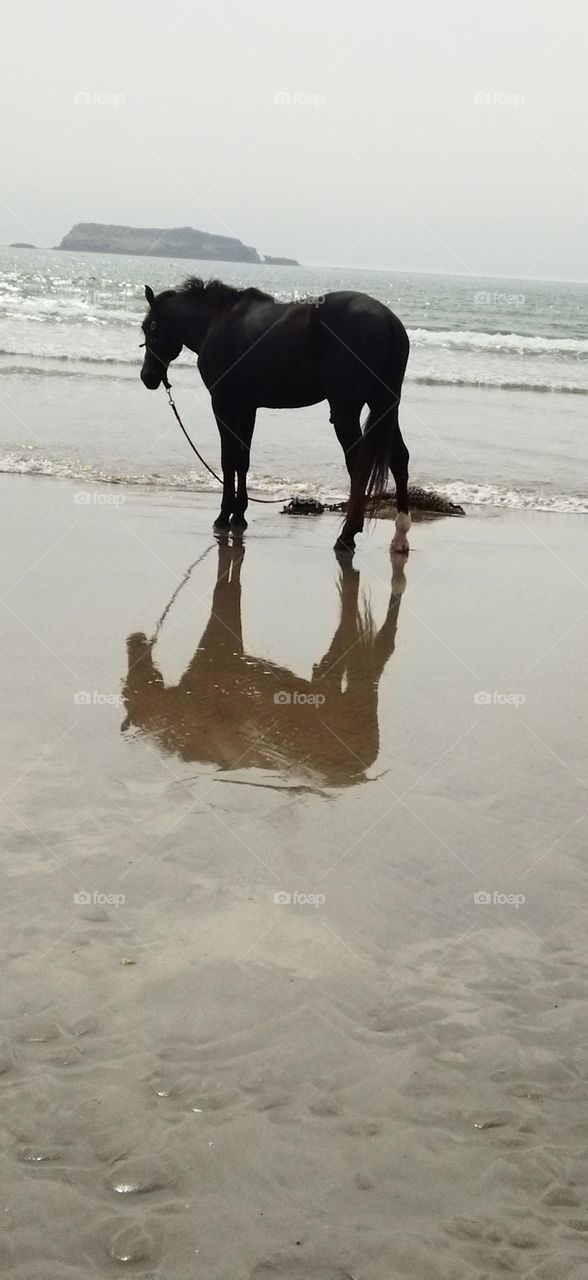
(373, 462)
(377, 449)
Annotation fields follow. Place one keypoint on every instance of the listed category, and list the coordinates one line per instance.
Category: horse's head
(162, 341)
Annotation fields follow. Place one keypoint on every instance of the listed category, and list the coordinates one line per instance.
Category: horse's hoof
(238, 523)
(221, 524)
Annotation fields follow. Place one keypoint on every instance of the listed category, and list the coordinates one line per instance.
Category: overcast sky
(433, 135)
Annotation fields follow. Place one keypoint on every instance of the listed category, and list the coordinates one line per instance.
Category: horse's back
(361, 336)
(359, 310)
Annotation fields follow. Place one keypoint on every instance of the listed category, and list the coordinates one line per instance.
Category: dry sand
(381, 1077)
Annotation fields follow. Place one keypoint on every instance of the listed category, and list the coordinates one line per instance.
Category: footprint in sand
(492, 1233)
(361, 1128)
(38, 1155)
(565, 1196)
(38, 1032)
(325, 1107)
(126, 1243)
(299, 1269)
(134, 1178)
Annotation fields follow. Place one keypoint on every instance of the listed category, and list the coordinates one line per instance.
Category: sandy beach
(293, 894)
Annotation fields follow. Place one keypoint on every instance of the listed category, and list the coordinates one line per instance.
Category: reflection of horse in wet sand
(238, 712)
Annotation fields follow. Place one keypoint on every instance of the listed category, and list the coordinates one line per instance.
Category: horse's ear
(149, 294)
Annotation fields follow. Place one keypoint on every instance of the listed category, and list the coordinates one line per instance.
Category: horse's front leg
(228, 463)
(243, 453)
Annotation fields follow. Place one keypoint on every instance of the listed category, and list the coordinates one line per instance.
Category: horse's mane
(218, 291)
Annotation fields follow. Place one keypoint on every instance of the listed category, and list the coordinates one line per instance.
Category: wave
(187, 481)
(99, 358)
(69, 311)
(499, 384)
(44, 371)
(501, 343)
(485, 495)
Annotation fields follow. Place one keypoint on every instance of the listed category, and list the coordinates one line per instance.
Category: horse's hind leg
(399, 457)
(347, 426)
(345, 419)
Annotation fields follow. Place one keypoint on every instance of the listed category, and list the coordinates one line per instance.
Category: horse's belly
(293, 402)
(291, 393)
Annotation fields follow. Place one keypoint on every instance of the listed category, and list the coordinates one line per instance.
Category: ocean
(493, 410)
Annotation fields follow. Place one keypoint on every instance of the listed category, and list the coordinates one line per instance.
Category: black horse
(346, 348)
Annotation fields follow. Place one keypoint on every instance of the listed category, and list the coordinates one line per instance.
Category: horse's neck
(194, 322)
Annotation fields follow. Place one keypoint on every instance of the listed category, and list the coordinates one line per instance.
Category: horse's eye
(152, 326)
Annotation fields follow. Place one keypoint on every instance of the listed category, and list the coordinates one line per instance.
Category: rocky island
(158, 242)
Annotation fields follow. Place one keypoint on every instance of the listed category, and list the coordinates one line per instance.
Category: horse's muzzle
(151, 378)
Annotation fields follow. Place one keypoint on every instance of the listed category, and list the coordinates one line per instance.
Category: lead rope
(172, 402)
(187, 575)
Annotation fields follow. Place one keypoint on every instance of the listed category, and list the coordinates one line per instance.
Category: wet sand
(294, 932)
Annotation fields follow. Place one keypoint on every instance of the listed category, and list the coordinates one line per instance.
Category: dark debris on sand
(419, 499)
